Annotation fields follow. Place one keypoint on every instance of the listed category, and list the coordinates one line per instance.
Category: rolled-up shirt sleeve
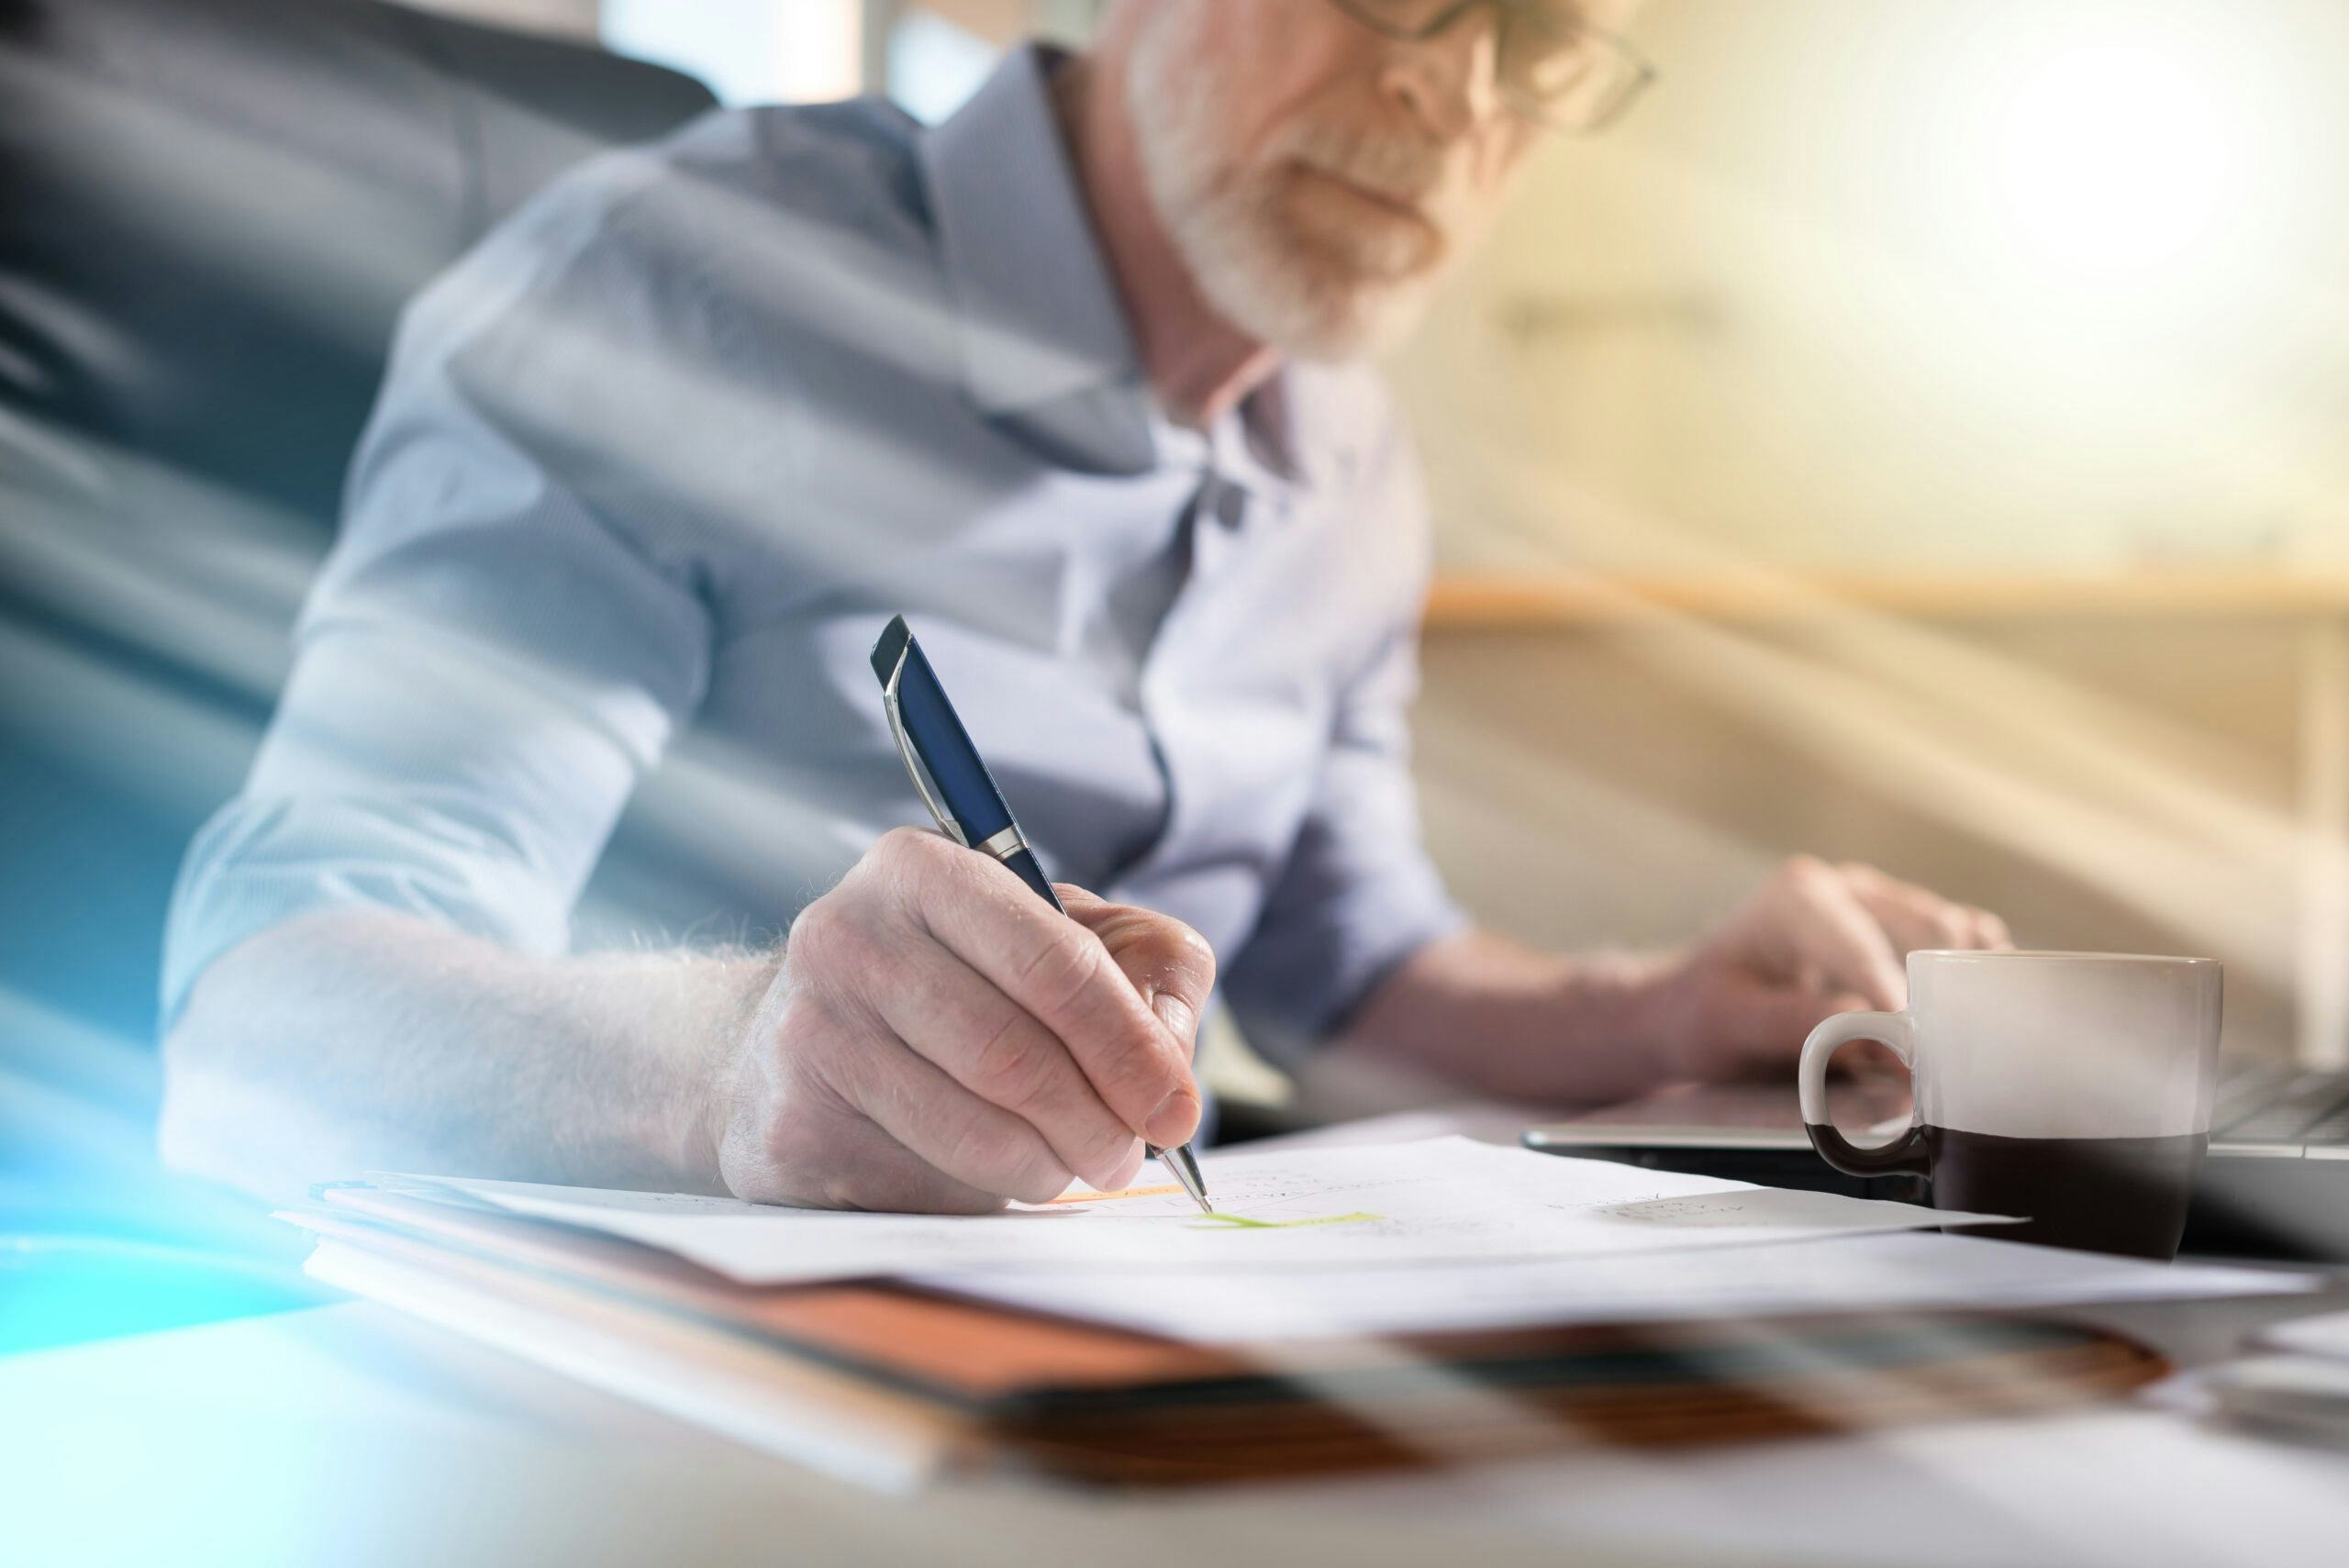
(1358, 894)
(487, 662)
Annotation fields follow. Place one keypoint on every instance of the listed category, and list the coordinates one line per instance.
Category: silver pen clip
(913, 769)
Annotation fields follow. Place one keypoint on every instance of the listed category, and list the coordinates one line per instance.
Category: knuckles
(1808, 876)
(841, 941)
(909, 864)
(902, 847)
(818, 941)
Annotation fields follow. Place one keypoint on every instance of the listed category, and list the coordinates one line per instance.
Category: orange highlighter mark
(1121, 1192)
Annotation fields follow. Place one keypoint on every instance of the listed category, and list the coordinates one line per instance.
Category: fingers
(1850, 925)
(1167, 963)
(1826, 929)
(1060, 975)
(949, 1014)
(1915, 917)
(806, 1145)
(963, 1136)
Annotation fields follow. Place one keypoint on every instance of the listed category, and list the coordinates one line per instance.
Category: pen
(937, 749)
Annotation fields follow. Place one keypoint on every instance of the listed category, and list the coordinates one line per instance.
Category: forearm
(355, 1040)
(1479, 1013)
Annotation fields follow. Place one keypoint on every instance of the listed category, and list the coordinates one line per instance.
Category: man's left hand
(1814, 939)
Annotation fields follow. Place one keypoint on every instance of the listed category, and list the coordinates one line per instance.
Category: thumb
(1169, 965)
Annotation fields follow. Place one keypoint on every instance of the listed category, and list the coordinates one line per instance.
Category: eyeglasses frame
(1644, 71)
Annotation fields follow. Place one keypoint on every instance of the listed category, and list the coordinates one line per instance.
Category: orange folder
(954, 1383)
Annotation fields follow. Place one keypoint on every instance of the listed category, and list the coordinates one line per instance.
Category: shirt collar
(1042, 336)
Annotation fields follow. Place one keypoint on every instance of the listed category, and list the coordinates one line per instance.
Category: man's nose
(1450, 81)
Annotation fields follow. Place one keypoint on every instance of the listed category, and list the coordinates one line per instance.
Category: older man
(1067, 380)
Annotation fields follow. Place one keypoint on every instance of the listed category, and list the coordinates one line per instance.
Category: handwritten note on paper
(1443, 1199)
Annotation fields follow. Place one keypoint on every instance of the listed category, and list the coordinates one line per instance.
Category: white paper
(2326, 1334)
(1883, 1272)
(1446, 1200)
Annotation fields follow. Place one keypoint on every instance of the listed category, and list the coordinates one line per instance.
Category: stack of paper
(1318, 1320)
(2296, 1383)
(1446, 1200)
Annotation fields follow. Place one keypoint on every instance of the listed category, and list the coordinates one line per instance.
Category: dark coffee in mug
(2112, 1194)
(2071, 1090)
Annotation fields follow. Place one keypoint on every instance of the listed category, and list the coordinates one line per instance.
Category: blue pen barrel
(963, 784)
(1024, 862)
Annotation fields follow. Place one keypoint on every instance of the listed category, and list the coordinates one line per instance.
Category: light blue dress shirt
(653, 466)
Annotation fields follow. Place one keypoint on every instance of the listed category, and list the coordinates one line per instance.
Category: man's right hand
(940, 1038)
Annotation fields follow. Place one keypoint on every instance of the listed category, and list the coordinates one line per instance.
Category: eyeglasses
(1553, 68)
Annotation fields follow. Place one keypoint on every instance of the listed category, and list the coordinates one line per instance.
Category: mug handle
(1898, 1033)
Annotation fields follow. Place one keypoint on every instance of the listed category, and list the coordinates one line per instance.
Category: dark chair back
(211, 212)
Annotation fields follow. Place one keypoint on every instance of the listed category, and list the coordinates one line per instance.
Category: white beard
(1227, 230)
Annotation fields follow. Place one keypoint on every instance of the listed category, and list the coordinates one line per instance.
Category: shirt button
(1227, 502)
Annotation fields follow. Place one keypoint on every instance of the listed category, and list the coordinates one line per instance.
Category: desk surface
(346, 1434)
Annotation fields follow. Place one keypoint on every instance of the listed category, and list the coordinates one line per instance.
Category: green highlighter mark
(1242, 1222)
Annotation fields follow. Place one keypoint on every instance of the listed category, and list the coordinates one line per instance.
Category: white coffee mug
(2073, 1089)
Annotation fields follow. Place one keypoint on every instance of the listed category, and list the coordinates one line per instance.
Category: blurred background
(1919, 433)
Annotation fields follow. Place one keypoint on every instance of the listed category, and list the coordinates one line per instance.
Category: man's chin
(1359, 323)
(1312, 302)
